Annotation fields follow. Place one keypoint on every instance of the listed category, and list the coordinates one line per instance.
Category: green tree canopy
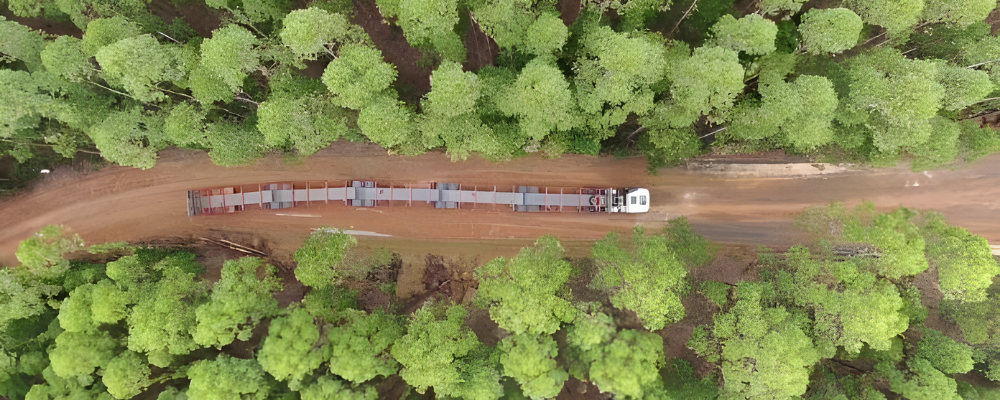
(530, 360)
(326, 387)
(540, 99)
(765, 352)
(624, 363)
(164, 320)
(64, 56)
(642, 275)
(428, 24)
(359, 349)
(893, 96)
(308, 31)
(320, 255)
(101, 32)
(546, 35)
(21, 43)
(390, 123)
(964, 261)
(77, 354)
(138, 64)
(752, 34)
(896, 16)
(944, 353)
(830, 30)
(230, 55)
(130, 138)
(126, 375)
(921, 382)
(960, 13)
(615, 75)
(528, 292)
(446, 354)
(41, 254)
(358, 76)
(227, 378)
(291, 350)
(506, 21)
(867, 310)
(453, 92)
(708, 80)
(239, 301)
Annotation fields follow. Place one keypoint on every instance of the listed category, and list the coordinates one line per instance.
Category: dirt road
(118, 203)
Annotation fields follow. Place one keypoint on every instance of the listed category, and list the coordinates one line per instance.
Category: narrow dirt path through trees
(119, 203)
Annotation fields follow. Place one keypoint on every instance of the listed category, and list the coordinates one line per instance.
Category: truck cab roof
(637, 200)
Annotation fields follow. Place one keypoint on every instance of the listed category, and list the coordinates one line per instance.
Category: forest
(866, 81)
(873, 305)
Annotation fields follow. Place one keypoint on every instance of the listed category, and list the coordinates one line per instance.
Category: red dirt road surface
(119, 203)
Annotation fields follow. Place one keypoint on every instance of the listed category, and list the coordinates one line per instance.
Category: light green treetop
(64, 56)
(642, 275)
(138, 64)
(359, 349)
(752, 34)
(21, 43)
(894, 96)
(453, 92)
(239, 301)
(290, 351)
(527, 293)
(530, 360)
(546, 35)
(896, 16)
(230, 55)
(308, 31)
(327, 387)
(830, 30)
(390, 123)
(961, 13)
(945, 354)
(41, 254)
(74, 312)
(708, 80)
(765, 352)
(615, 74)
(105, 31)
(447, 355)
(130, 138)
(310, 123)
(164, 319)
(964, 260)
(506, 21)
(773, 7)
(126, 375)
(319, 256)
(540, 99)
(625, 363)
(358, 76)
(227, 378)
(431, 24)
(922, 382)
(77, 354)
(963, 87)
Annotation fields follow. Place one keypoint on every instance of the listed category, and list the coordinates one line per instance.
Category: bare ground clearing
(119, 203)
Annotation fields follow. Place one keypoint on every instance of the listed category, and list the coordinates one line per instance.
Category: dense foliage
(859, 80)
(148, 322)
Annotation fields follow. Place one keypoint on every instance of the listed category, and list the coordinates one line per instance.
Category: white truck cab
(629, 200)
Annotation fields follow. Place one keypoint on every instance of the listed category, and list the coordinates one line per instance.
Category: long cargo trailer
(282, 195)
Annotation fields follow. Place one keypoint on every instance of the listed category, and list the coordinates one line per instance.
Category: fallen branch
(678, 24)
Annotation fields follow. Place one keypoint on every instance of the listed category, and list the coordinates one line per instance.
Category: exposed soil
(202, 18)
(413, 81)
(120, 203)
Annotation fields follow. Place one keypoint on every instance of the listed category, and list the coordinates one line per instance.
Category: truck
(282, 195)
